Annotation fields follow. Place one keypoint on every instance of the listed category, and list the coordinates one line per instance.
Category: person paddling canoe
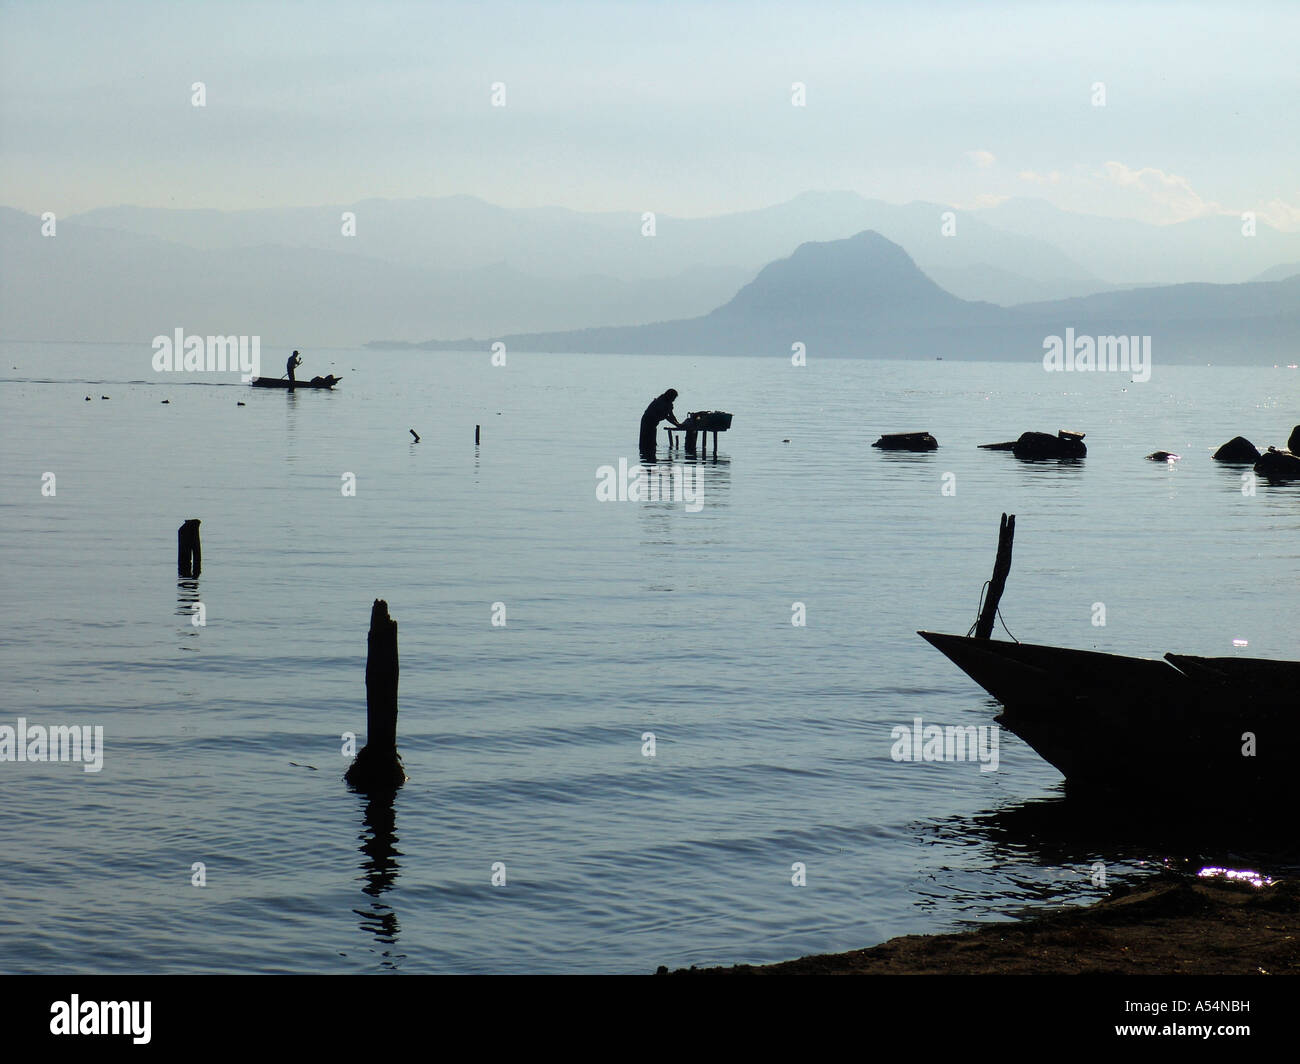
(294, 362)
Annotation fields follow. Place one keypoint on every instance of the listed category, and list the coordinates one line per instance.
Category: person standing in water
(660, 409)
(293, 363)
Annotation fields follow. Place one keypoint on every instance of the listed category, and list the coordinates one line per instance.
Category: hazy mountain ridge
(91, 283)
(459, 266)
(1128, 252)
(865, 297)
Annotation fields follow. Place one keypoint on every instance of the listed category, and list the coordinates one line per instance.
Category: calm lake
(524, 740)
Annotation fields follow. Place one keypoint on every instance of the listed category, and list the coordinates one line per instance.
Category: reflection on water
(187, 597)
(379, 869)
(1073, 850)
(1069, 828)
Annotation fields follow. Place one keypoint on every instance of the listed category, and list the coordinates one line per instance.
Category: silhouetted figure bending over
(293, 363)
(660, 409)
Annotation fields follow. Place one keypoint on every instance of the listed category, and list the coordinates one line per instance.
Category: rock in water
(1237, 449)
(1064, 444)
(1163, 456)
(907, 441)
(1293, 442)
(1278, 465)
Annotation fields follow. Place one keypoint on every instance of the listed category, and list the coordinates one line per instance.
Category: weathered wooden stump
(189, 554)
(907, 441)
(378, 766)
(1001, 568)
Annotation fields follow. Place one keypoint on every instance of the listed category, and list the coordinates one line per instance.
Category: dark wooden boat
(283, 382)
(1183, 725)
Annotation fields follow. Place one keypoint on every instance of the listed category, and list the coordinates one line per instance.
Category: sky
(681, 108)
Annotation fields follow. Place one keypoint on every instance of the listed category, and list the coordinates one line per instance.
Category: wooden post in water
(378, 766)
(189, 553)
(1001, 567)
(476, 428)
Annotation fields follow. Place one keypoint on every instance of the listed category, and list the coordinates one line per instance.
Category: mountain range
(865, 297)
(457, 266)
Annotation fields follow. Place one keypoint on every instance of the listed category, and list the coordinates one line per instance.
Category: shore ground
(1173, 925)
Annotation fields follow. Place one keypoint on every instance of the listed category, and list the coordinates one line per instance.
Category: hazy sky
(683, 109)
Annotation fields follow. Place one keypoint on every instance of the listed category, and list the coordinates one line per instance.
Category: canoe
(1177, 726)
(283, 382)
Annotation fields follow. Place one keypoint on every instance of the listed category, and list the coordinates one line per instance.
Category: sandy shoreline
(1172, 925)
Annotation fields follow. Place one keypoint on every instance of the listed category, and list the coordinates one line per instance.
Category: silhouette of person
(293, 363)
(660, 409)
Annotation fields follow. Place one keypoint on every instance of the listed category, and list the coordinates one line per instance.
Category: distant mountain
(1255, 323)
(865, 297)
(92, 283)
(860, 296)
(464, 233)
(458, 266)
(985, 282)
(1279, 273)
(1128, 252)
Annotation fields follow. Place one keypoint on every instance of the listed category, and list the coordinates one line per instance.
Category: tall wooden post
(189, 552)
(378, 766)
(1001, 567)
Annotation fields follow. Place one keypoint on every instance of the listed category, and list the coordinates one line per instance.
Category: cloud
(1176, 197)
(1053, 178)
(1169, 191)
(1280, 215)
(981, 158)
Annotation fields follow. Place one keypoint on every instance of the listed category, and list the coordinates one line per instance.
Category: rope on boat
(979, 608)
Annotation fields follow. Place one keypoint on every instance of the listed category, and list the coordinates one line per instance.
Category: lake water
(523, 741)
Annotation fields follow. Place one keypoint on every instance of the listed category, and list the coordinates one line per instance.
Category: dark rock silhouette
(1163, 456)
(1042, 445)
(907, 441)
(1278, 465)
(1238, 449)
(1293, 441)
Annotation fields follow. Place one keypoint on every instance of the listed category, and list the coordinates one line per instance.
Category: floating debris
(1031, 445)
(907, 441)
